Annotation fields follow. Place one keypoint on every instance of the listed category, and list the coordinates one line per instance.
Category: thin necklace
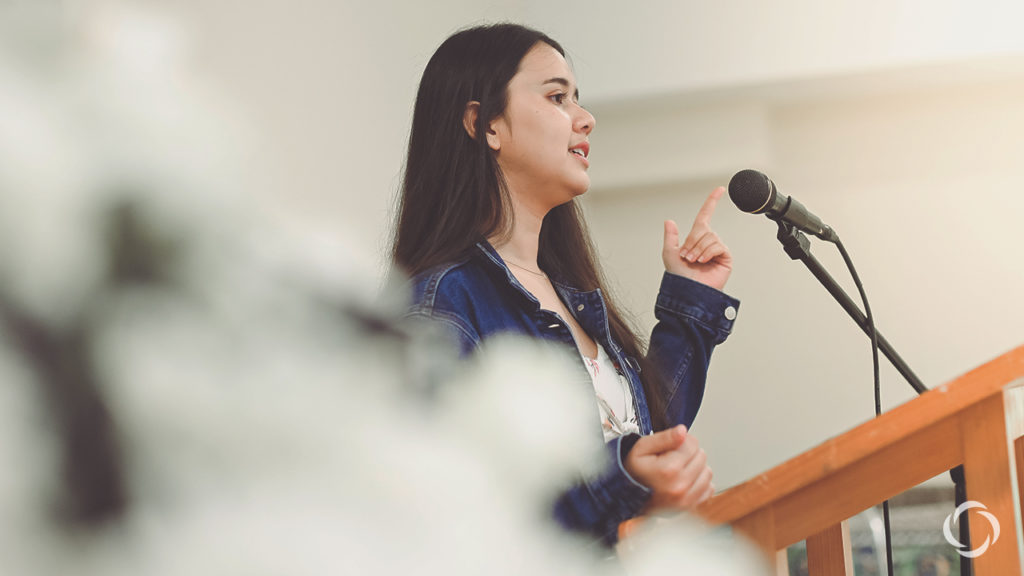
(541, 274)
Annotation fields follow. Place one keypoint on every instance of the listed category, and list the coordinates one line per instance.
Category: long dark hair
(453, 193)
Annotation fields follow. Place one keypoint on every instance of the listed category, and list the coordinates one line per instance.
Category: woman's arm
(692, 319)
(597, 505)
(693, 313)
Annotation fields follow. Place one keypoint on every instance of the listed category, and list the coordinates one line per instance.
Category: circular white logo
(955, 518)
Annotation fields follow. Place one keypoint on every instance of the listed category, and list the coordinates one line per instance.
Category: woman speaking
(489, 229)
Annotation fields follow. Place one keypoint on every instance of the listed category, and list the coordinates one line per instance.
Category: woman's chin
(574, 194)
(566, 194)
(581, 188)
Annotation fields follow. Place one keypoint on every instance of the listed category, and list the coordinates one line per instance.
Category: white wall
(330, 86)
(899, 122)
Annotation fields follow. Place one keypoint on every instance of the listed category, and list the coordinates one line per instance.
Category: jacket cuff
(625, 444)
(683, 297)
(618, 489)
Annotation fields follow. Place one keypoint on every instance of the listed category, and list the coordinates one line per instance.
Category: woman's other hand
(702, 256)
(674, 467)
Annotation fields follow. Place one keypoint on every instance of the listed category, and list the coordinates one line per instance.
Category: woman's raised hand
(674, 467)
(702, 256)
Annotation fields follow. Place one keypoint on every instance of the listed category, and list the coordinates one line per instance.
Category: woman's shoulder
(457, 294)
(451, 285)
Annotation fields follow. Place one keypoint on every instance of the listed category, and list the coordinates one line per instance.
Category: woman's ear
(469, 117)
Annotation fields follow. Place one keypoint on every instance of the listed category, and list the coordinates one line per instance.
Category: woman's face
(540, 139)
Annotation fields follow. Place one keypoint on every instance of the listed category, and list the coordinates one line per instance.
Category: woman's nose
(585, 121)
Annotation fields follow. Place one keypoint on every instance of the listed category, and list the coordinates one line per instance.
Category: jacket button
(579, 308)
(730, 313)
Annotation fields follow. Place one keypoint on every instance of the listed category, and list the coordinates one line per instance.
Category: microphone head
(751, 191)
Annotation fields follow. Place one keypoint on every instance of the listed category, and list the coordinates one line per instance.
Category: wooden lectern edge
(852, 446)
(849, 448)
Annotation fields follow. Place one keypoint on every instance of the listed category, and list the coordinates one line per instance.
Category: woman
(491, 234)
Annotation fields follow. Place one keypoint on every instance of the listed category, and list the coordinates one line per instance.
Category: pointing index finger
(708, 209)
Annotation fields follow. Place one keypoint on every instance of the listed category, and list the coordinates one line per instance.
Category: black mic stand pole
(798, 247)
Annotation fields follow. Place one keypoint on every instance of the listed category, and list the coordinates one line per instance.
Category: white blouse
(614, 398)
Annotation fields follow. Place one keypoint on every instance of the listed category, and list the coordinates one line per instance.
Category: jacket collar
(497, 264)
(586, 306)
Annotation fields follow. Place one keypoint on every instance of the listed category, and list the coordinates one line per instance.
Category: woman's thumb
(662, 441)
(671, 236)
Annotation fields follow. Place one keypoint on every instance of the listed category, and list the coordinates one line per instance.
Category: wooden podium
(976, 420)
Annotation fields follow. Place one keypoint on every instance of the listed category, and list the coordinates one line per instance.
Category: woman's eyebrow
(564, 82)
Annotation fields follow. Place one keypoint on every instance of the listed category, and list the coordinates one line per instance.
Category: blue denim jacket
(479, 297)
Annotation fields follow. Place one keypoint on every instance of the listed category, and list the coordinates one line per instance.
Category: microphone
(753, 192)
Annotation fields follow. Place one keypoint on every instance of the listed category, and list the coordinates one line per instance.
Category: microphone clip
(794, 242)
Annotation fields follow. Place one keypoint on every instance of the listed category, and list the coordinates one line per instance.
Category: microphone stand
(798, 247)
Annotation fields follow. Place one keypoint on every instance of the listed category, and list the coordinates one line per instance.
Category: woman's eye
(558, 98)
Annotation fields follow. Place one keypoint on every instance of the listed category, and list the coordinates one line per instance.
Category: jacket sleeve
(598, 505)
(458, 333)
(692, 319)
(595, 505)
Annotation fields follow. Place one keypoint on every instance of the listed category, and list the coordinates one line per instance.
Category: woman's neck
(522, 244)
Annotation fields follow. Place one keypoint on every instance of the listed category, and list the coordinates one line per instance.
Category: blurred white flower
(666, 544)
(109, 113)
(518, 397)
